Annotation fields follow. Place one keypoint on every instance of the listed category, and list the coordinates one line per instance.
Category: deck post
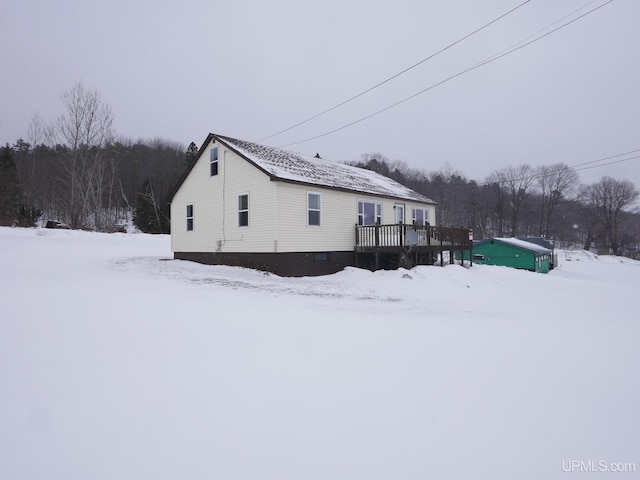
(400, 243)
(462, 243)
(377, 245)
(429, 251)
(357, 245)
(452, 246)
(441, 250)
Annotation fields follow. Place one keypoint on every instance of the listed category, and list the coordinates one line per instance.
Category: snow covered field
(119, 363)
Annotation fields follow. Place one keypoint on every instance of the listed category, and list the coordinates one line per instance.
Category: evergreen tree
(28, 216)
(191, 153)
(152, 214)
(9, 187)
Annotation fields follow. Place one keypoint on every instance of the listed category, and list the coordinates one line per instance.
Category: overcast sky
(250, 68)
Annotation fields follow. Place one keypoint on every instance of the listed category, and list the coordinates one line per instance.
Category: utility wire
(545, 28)
(397, 74)
(608, 163)
(536, 175)
(551, 173)
(606, 158)
(478, 65)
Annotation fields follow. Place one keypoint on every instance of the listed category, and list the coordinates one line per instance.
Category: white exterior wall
(339, 215)
(212, 211)
(278, 215)
(337, 221)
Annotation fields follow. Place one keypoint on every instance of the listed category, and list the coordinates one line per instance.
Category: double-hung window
(243, 210)
(313, 208)
(190, 218)
(213, 161)
(369, 213)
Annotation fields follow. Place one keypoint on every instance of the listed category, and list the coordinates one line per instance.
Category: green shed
(511, 252)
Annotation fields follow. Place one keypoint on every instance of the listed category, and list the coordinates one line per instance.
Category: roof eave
(187, 171)
(275, 178)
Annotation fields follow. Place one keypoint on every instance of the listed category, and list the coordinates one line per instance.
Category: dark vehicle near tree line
(56, 224)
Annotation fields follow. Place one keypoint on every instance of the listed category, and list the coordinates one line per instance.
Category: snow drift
(118, 362)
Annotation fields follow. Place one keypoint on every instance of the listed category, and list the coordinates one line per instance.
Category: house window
(189, 218)
(369, 213)
(399, 212)
(214, 161)
(420, 216)
(478, 257)
(313, 207)
(243, 210)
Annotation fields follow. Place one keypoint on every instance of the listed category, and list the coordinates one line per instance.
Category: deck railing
(402, 235)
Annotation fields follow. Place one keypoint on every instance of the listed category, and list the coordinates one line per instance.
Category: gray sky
(250, 68)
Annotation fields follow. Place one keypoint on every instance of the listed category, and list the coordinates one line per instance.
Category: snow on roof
(294, 167)
(523, 244)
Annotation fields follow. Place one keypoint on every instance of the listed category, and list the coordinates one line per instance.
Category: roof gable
(286, 166)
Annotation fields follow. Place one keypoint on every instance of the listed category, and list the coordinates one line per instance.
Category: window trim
(241, 211)
(190, 221)
(309, 209)
(425, 215)
(377, 212)
(213, 162)
(400, 206)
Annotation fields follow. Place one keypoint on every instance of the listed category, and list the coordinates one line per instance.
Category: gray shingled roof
(293, 167)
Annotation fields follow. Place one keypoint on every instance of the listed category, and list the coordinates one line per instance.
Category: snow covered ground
(119, 363)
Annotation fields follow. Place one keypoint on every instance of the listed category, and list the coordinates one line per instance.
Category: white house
(240, 203)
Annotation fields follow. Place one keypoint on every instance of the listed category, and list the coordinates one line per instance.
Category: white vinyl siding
(278, 211)
(339, 219)
(235, 176)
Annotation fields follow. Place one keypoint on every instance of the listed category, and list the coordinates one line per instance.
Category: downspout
(220, 244)
(275, 215)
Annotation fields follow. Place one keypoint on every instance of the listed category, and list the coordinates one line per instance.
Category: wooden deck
(409, 245)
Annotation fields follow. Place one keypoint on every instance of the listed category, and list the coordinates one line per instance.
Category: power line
(608, 163)
(397, 74)
(536, 175)
(545, 28)
(478, 65)
(607, 158)
(572, 167)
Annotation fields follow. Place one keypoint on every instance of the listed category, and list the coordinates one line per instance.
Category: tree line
(522, 201)
(75, 170)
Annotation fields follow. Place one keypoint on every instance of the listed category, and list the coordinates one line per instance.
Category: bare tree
(450, 188)
(556, 183)
(606, 202)
(494, 199)
(31, 181)
(84, 130)
(516, 181)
